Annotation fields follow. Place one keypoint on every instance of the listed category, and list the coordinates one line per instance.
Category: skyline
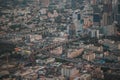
(60, 40)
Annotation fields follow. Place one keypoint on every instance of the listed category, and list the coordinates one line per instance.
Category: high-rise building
(107, 17)
(116, 10)
(97, 11)
(110, 30)
(93, 2)
(104, 21)
(45, 3)
(96, 19)
(87, 16)
(72, 30)
(94, 33)
(73, 2)
(77, 22)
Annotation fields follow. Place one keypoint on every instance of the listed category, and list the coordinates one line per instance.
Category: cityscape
(59, 39)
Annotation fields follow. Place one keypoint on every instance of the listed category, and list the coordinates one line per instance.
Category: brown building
(89, 56)
(75, 53)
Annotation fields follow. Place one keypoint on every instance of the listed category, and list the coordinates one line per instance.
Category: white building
(94, 33)
(85, 77)
(35, 37)
(68, 71)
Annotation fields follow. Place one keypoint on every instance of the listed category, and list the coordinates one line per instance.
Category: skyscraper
(116, 10)
(118, 7)
(107, 17)
(73, 4)
(72, 30)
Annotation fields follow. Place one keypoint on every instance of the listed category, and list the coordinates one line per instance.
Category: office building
(77, 21)
(97, 9)
(94, 33)
(107, 17)
(87, 16)
(109, 30)
(72, 30)
(117, 18)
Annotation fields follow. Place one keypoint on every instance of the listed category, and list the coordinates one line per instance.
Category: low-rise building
(68, 71)
(49, 60)
(75, 53)
(57, 50)
(89, 56)
(35, 37)
(85, 77)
